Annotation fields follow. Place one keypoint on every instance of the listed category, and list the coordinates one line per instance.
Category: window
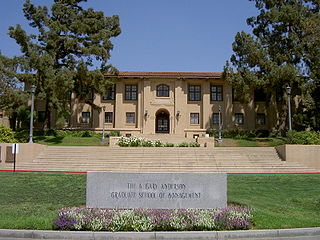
(215, 118)
(131, 92)
(261, 119)
(162, 90)
(260, 95)
(194, 93)
(216, 93)
(239, 118)
(194, 118)
(85, 117)
(109, 94)
(130, 117)
(108, 117)
(41, 116)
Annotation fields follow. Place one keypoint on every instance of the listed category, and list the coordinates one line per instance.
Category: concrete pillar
(206, 111)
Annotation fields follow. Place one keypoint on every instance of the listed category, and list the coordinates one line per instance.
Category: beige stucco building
(184, 103)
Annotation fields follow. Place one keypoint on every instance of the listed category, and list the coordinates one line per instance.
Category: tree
(12, 96)
(58, 59)
(282, 50)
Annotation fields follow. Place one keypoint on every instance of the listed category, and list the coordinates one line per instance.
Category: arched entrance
(162, 121)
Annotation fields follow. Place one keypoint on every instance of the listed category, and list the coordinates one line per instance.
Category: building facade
(184, 103)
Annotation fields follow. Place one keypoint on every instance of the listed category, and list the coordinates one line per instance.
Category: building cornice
(181, 75)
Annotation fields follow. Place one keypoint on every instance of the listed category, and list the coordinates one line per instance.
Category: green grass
(251, 142)
(69, 141)
(279, 201)
(31, 200)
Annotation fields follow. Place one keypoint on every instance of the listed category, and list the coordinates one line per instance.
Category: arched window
(162, 90)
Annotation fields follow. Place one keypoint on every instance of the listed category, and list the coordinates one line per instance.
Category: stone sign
(156, 190)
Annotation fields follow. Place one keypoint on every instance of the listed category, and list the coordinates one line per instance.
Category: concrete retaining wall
(308, 155)
(27, 152)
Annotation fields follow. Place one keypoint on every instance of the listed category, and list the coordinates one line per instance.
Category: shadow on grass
(54, 140)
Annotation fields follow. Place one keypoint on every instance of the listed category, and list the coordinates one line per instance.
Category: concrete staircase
(220, 159)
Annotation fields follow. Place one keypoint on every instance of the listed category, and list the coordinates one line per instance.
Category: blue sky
(157, 35)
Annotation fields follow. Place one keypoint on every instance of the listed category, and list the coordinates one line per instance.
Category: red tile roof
(171, 74)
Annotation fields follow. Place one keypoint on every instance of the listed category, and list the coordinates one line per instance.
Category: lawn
(31, 200)
(69, 141)
(251, 142)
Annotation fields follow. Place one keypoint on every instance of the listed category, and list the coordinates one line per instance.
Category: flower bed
(142, 220)
(142, 142)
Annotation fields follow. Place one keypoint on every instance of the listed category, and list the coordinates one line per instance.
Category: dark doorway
(162, 122)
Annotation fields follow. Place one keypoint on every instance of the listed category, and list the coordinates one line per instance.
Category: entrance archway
(162, 121)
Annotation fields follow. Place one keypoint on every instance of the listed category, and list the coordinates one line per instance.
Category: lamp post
(103, 140)
(220, 127)
(33, 90)
(289, 106)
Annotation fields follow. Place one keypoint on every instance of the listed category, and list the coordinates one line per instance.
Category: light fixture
(178, 115)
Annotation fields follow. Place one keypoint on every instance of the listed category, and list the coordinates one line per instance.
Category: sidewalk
(246, 234)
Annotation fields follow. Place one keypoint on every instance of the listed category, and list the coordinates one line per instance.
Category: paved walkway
(281, 234)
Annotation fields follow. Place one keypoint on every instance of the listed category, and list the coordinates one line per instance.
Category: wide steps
(220, 159)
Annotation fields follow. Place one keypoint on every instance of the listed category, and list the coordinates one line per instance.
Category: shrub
(305, 137)
(6, 135)
(96, 219)
(87, 134)
(22, 136)
(169, 145)
(115, 133)
(183, 144)
(239, 133)
(194, 144)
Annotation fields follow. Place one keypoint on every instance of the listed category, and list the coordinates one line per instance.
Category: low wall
(308, 155)
(27, 152)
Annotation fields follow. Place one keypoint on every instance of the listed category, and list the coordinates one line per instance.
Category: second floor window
(131, 92)
(194, 93)
(216, 93)
(109, 94)
(162, 90)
